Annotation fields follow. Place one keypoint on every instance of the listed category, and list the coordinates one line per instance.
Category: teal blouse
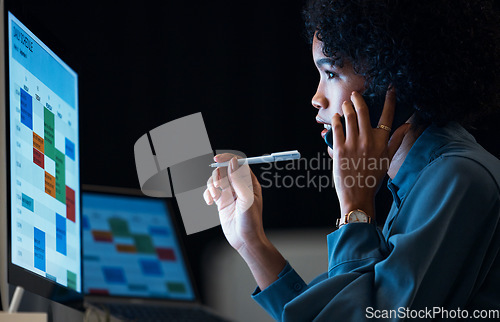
(437, 255)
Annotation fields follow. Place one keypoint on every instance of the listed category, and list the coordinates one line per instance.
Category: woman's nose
(319, 100)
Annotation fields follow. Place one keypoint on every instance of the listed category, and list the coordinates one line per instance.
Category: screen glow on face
(44, 160)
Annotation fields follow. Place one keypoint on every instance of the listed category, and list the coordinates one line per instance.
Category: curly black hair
(442, 56)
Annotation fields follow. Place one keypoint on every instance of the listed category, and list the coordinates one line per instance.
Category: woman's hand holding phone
(363, 154)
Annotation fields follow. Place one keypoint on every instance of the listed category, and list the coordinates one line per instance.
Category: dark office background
(244, 64)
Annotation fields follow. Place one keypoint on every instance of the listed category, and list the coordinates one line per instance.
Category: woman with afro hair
(435, 64)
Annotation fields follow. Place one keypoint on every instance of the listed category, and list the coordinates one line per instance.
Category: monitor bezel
(17, 275)
(172, 207)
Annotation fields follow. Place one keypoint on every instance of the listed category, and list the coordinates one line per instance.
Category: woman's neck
(411, 135)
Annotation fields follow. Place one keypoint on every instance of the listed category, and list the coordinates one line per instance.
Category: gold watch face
(357, 216)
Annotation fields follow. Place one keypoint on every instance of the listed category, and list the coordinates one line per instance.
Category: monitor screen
(43, 147)
(132, 249)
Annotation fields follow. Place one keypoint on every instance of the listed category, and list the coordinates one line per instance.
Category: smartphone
(375, 105)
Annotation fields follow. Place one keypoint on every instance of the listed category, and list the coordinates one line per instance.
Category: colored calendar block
(71, 279)
(138, 288)
(159, 231)
(119, 227)
(150, 267)
(50, 184)
(166, 254)
(114, 275)
(70, 149)
(27, 202)
(38, 142)
(38, 158)
(48, 134)
(98, 291)
(85, 223)
(102, 236)
(126, 248)
(39, 249)
(60, 176)
(144, 244)
(60, 234)
(26, 109)
(70, 204)
(176, 287)
(91, 258)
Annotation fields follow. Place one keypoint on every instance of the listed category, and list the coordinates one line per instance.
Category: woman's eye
(330, 75)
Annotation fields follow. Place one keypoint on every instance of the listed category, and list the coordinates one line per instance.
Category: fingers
(224, 157)
(337, 131)
(362, 113)
(219, 178)
(388, 112)
(218, 182)
(208, 197)
(257, 189)
(241, 181)
(219, 191)
(230, 183)
(214, 192)
(351, 121)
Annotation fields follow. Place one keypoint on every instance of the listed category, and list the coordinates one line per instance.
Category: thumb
(397, 138)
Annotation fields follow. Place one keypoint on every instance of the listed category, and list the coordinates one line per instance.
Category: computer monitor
(40, 166)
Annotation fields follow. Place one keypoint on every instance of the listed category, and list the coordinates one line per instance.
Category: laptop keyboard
(160, 313)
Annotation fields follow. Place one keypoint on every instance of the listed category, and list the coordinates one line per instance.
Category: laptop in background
(134, 262)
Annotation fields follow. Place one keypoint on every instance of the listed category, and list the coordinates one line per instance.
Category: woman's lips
(325, 124)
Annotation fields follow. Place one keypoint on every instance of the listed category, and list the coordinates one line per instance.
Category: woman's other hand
(238, 196)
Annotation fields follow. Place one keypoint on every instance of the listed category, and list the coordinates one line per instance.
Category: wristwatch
(357, 215)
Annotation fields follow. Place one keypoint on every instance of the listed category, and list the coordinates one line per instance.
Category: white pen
(273, 157)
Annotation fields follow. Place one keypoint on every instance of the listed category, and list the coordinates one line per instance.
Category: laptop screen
(131, 248)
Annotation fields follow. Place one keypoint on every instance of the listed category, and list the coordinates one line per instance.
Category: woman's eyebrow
(325, 61)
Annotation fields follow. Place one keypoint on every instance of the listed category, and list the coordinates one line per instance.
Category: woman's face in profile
(335, 85)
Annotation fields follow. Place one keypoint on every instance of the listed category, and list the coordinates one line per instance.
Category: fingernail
(353, 92)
